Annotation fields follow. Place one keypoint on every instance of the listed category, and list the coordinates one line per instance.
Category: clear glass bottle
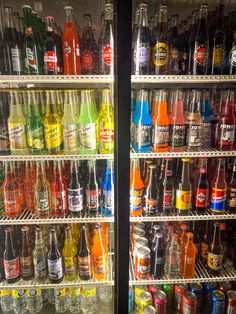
(89, 299)
(19, 301)
(173, 266)
(61, 300)
(34, 300)
(6, 300)
(75, 301)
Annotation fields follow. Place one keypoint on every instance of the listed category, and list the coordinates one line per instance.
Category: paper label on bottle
(17, 293)
(160, 136)
(53, 136)
(59, 201)
(33, 292)
(26, 265)
(40, 267)
(50, 61)
(206, 133)
(225, 134)
(75, 198)
(204, 250)
(4, 140)
(136, 199)
(42, 201)
(88, 59)
(194, 135)
(12, 268)
(108, 201)
(99, 265)
(232, 56)
(108, 54)
(92, 199)
(168, 199)
(16, 59)
(218, 55)
(87, 136)
(160, 55)
(201, 198)
(55, 269)
(201, 54)
(214, 261)
(31, 58)
(88, 292)
(151, 206)
(177, 135)
(84, 266)
(183, 200)
(174, 53)
(70, 136)
(35, 137)
(17, 136)
(232, 197)
(70, 265)
(218, 199)
(74, 292)
(66, 48)
(141, 55)
(11, 200)
(142, 135)
(106, 136)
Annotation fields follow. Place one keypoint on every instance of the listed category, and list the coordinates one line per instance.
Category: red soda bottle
(20, 176)
(29, 182)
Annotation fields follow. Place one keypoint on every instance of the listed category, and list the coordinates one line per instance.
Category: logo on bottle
(168, 199)
(151, 206)
(160, 136)
(232, 197)
(55, 270)
(108, 54)
(50, 61)
(66, 48)
(33, 292)
(225, 134)
(70, 265)
(26, 266)
(12, 268)
(206, 133)
(142, 135)
(201, 55)
(40, 267)
(218, 199)
(42, 201)
(106, 136)
(194, 135)
(59, 201)
(177, 135)
(11, 200)
(84, 266)
(87, 136)
(70, 135)
(17, 136)
(75, 198)
(92, 199)
(232, 56)
(99, 265)
(218, 55)
(108, 202)
(30, 59)
(136, 199)
(160, 55)
(35, 138)
(214, 261)
(87, 59)
(201, 198)
(53, 136)
(141, 55)
(183, 200)
(17, 293)
(16, 59)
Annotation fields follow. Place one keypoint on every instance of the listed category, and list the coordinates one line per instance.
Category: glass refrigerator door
(57, 121)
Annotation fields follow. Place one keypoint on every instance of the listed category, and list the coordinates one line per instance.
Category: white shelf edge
(204, 153)
(55, 157)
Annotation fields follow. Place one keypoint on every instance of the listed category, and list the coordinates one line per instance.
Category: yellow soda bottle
(69, 255)
(106, 124)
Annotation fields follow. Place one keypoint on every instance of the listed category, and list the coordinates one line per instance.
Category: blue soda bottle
(108, 190)
(207, 119)
(142, 124)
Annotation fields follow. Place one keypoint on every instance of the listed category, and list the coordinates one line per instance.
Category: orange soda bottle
(189, 257)
(136, 189)
(98, 254)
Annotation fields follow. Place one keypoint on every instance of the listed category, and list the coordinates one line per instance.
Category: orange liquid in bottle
(98, 254)
(136, 190)
(189, 257)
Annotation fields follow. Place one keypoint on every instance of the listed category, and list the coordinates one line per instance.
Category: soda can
(149, 310)
(208, 289)
(138, 243)
(231, 302)
(217, 302)
(179, 292)
(145, 299)
(160, 302)
(137, 291)
(189, 303)
(139, 233)
(138, 225)
(225, 286)
(142, 262)
(196, 288)
(154, 288)
(169, 290)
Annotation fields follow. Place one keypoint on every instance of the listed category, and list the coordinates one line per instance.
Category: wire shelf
(56, 157)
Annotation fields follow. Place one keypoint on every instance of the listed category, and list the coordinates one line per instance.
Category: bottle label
(4, 141)
(87, 136)
(60, 292)
(225, 134)
(16, 60)
(183, 200)
(201, 198)
(84, 266)
(30, 60)
(74, 292)
(99, 265)
(17, 293)
(17, 136)
(218, 55)
(92, 199)
(70, 265)
(35, 137)
(70, 135)
(218, 199)
(55, 269)
(12, 268)
(168, 199)
(174, 53)
(201, 55)
(194, 137)
(106, 136)
(232, 197)
(108, 201)
(75, 198)
(108, 54)
(136, 199)
(59, 200)
(160, 54)
(142, 135)
(53, 136)
(151, 206)
(160, 136)
(88, 292)
(178, 133)
(206, 133)
(42, 200)
(40, 267)
(141, 55)
(50, 61)
(232, 56)
(11, 200)
(214, 261)
(26, 266)
(87, 60)
(66, 49)
(204, 250)
(33, 292)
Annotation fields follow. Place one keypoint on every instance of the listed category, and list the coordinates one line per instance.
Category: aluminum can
(217, 302)
(160, 302)
(189, 303)
(137, 291)
(169, 290)
(145, 299)
(179, 292)
(196, 288)
(231, 302)
(138, 243)
(142, 262)
(154, 288)
(207, 292)
(225, 286)
(149, 310)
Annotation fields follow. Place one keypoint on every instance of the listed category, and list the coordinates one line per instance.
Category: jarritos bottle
(184, 191)
(11, 193)
(84, 257)
(107, 206)
(201, 195)
(151, 193)
(52, 125)
(219, 188)
(98, 255)
(106, 124)
(160, 43)
(69, 255)
(231, 199)
(136, 189)
(71, 45)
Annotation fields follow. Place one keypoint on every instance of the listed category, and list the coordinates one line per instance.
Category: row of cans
(182, 298)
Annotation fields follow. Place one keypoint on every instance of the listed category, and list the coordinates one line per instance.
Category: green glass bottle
(39, 41)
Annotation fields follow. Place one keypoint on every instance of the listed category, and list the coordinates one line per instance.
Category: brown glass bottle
(26, 259)
(231, 199)
(84, 257)
(191, 41)
(151, 193)
(215, 252)
(205, 242)
(55, 269)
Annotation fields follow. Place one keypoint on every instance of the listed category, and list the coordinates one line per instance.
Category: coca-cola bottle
(89, 48)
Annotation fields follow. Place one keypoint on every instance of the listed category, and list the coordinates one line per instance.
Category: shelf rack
(56, 157)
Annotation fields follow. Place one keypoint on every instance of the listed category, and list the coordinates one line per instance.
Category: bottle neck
(9, 242)
(8, 18)
(168, 169)
(92, 173)
(25, 244)
(216, 235)
(220, 170)
(69, 16)
(39, 238)
(143, 20)
(68, 238)
(83, 240)
(185, 172)
(53, 243)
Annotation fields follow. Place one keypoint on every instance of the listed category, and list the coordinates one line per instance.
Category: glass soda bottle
(189, 257)
(215, 251)
(157, 256)
(231, 199)
(55, 268)
(11, 259)
(6, 301)
(69, 255)
(92, 191)
(75, 193)
(191, 43)
(40, 256)
(19, 171)
(19, 301)
(205, 242)
(26, 261)
(89, 48)
(201, 195)
(4, 134)
(29, 183)
(174, 46)
(87, 121)
(61, 300)
(106, 124)
(71, 45)
(173, 259)
(89, 299)
(84, 257)
(206, 119)
(11, 193)
(151, 193)
(74, 300)
(136, 189)
(34, 300)
(98, 255)
(107, 206)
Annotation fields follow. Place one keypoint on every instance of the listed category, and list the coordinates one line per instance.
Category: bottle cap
(185, 159)
(184, 227)
(189, 235)
(174, 235)
(24, 228)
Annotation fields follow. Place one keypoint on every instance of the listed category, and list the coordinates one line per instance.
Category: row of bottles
(72, 252)
(205, 44)
(55, 189)
(178, 120)
(54, 122)
(29, 45)
(181, 186)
